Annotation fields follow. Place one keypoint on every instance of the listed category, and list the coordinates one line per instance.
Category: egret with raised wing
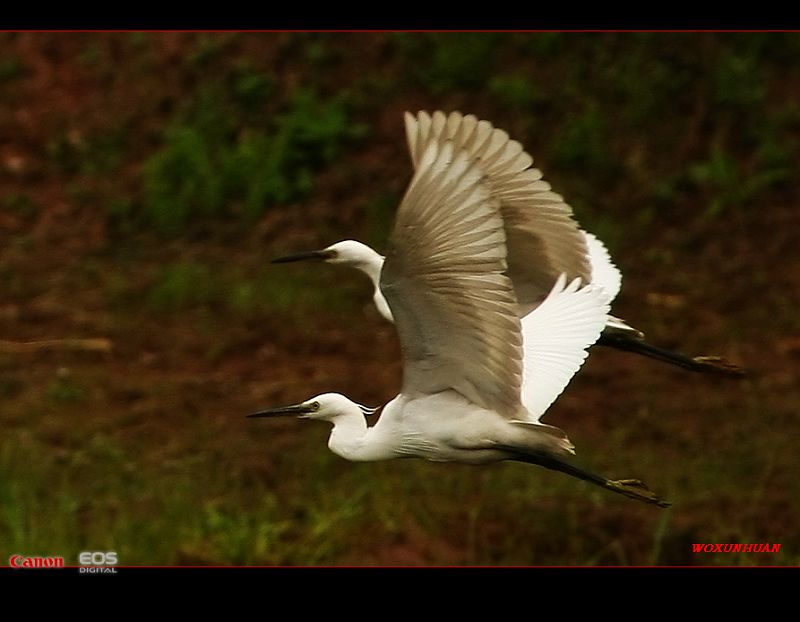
(448, 283)
(543, 239)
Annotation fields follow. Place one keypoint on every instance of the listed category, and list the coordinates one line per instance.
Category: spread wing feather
(444, 280)
(542, 238)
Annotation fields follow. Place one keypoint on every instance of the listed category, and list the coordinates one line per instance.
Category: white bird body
(443, 427)
(467, 396)
(535, 397)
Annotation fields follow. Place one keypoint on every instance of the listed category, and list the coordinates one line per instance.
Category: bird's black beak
(297, 410)
(317, 255)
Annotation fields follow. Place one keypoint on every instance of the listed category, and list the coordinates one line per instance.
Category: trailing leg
(633, 488)
(702, 364)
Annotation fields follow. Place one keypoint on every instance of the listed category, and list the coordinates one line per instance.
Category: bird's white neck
(353, 440)
(371, 266)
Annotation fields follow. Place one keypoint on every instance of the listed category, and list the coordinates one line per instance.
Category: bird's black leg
(702, 364)
(633, 488)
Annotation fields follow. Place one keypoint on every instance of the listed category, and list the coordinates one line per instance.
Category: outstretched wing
(444, 279)
(542, 238)
(604, 272)
(556, 336)
(606, 275)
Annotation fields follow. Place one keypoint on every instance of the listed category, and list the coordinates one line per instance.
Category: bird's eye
(314, 405)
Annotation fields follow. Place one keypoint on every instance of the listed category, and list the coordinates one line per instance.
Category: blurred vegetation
(188, 284)
(211, 167)
(147, 178)
(668, 116)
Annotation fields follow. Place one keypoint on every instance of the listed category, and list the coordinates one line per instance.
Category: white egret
(465, 397)
(543, 240)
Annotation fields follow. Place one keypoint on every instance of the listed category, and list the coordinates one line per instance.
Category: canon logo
(24, 561)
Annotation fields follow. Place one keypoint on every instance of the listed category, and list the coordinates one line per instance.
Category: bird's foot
(717, 364)
(636, 489)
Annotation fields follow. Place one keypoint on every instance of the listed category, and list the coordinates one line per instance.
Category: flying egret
(465, 396)
(543, 239)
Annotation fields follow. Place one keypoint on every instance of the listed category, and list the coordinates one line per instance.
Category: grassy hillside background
(146, 179)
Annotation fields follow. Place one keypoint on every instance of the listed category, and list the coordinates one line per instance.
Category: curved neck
(353, 440)
(382, 305)
(371, 267)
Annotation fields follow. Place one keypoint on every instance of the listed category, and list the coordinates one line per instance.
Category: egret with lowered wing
(448, 282)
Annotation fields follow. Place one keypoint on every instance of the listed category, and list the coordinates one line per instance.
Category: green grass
(189, 284)
(97, 498)
(306, 506)
(210, 169)
(515, 92)
(584, 143)
(443, 62)
(738, 81)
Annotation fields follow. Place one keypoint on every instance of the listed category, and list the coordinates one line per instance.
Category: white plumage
(456, 299)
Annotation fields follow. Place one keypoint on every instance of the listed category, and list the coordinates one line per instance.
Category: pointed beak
(317, 255)
(297, 410)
